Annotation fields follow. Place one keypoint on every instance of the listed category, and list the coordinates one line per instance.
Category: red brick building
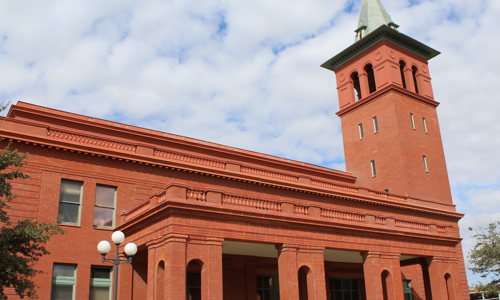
(214, 222)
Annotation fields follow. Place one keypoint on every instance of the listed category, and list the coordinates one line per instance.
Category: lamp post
(104, 247)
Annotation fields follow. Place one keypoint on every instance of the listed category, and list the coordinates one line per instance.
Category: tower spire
(372, 16)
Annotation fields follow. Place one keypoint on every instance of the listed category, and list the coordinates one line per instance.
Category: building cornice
(381, 33)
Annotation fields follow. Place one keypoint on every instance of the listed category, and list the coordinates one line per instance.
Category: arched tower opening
(160, 280)
(402, 66)
(414, 71)
(371, 78)
(357, 86)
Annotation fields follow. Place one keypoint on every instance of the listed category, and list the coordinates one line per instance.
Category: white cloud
(247, 74)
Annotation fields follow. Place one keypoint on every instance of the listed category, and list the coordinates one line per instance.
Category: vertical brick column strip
(151, 272)
(170, 249)
(382, 273)
(288, 271)
(444, 277)
(251, 277)
(313, 258)
(207, 250)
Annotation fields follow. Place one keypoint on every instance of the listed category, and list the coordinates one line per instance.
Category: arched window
(371, 78)
(193, 280)
(387, 285)
(160, 280)
(402, 66)
(304, 272)
(415, 71)
(357, 86)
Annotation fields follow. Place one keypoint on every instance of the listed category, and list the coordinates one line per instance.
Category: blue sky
(246, 74)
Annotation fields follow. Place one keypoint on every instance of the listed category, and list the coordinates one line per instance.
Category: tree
(21, 244)
(485, 256)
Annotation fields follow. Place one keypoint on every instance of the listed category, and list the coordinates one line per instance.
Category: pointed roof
(372, 16)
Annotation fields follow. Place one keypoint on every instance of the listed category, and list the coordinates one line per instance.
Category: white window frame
(373, 168)
(101, 282)
(63, 280)
(361, 133)
(79, 203)
(425, 164)
(425, 125)
(114, 206)
(375, 125)
(412, 121)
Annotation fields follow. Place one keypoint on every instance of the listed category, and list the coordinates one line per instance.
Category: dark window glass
(407, 289)
(100, 283)
(268, 287)
(193, 285)
(344, 289)
(371, 78)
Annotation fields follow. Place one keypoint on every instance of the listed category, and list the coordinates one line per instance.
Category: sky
(246, 74)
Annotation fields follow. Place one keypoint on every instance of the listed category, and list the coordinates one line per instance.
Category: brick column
(288, 271)
(208, 250)
(313, 258)
(374, 265)
(363, 82)
(171, 249)
(151, 272)
(251, 277)
(444, 277)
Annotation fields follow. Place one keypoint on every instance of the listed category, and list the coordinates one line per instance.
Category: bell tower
(390, 128)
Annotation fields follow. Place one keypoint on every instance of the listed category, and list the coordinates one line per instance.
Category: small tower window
(412, 121)
(361, 134)
(357, 86)
(371, 78)
(425, 125)
(425, 164)
(402, 66)
(375, 125)
(415, 71)
(374, 171)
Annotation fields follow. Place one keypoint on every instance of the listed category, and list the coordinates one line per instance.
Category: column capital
(380, 255)
(287, 247)
(311, 249)
(169, 238)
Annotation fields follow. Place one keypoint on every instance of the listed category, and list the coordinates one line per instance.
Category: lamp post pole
(104, 247)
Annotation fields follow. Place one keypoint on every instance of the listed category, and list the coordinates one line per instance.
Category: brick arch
(306, 282)
(450, 287)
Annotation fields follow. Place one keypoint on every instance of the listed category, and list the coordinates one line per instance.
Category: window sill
(69, 225)
(103, 228)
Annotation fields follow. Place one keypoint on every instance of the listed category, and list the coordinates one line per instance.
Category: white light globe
(103, 247)
(130, 249)
(118, 237)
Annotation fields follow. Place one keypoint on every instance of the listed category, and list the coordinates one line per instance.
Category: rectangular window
(63, 282)
(375, 125)
(70, 198)
(193, 285)
(100, 283)
(268, 287)
(407, 289)
(412, 121)
(374, 171)
(344, 289)
(361, 134)
(105, 198)
(425, 125)
(425, 164)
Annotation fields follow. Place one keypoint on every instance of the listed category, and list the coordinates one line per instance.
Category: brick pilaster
(374, 266)
(288, 271)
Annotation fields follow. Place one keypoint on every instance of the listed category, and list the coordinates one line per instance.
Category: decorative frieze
(90, 141)
(170, 155)
(251, 202)
(270, 174)
(344, 216)
(334, 186)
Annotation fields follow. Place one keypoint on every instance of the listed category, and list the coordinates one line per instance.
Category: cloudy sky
(246, 74)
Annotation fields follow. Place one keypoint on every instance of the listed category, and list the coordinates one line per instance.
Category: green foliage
(485, 256)
(21, 244)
